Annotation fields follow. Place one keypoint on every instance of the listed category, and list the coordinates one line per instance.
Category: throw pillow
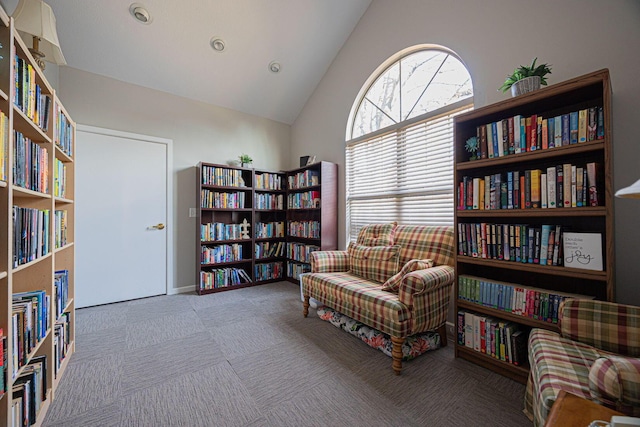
(377, 234)
(376, 263)
(393, 284)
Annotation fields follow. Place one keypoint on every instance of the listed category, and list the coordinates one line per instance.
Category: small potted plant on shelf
(526, 78)
(245, 160)
(472, 148)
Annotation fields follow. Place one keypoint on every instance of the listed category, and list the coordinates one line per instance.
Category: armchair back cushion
(425, 242)
(597, 323)
(377, 234)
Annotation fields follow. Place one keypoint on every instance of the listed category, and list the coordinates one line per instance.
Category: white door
(121, 216)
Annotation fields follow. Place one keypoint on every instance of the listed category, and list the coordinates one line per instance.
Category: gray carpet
(248, 358)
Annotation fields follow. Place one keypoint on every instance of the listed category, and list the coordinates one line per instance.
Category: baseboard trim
(182, 290)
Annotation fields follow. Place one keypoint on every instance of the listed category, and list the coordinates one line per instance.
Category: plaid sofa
(411, 301)
(595, 356)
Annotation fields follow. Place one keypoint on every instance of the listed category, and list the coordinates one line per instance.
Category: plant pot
(528, 84)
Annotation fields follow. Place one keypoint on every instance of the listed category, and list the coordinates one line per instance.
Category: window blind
(404, 175)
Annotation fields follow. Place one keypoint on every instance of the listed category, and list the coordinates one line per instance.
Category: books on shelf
(307, 178)
(304, 229)
(61, 291)
(30, 164)
(497, 338)
(59, 178)
(30, 323)
(532, 244)
(217, 231)
(294, 270)
(222, 177)
(223, 277)
(60, 228)
(269, 201)
(30, 234)
(304, 200)
(4, 146)
(61, 340)
(221, 253)
(269, 271)
(520, 300)
(29, 390)
(269, 249)
(221, 200)
(300, 251)
(28, 96)
(520, 134)
(64, 137)
(269, 230)
(565, 185)
(268, 181)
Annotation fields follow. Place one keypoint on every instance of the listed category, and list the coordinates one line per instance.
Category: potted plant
(526, 78)
(245, 160)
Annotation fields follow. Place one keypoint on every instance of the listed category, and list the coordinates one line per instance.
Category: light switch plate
(192, 212)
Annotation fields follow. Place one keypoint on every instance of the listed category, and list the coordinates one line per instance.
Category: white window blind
(403, 175)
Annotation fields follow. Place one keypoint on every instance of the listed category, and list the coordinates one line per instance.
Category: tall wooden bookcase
(312, 212)
(279, 226)
(37, 193)
(541, 283)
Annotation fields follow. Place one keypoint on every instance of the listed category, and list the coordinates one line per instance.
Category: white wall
(493, 37)
(200, 132)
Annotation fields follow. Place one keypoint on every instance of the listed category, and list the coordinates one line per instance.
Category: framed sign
(582, 250)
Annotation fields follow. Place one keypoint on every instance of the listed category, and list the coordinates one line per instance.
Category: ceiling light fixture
(140, 13)
(274, 67)
(217, 44)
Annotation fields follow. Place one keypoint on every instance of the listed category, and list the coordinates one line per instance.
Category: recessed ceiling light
(217, 44)
(140, 13)
(274, 66)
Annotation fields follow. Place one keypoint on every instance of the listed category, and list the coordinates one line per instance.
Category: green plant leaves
(524, 71)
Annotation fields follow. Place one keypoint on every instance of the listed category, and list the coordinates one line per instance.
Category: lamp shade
(35, 18)
(630, 192)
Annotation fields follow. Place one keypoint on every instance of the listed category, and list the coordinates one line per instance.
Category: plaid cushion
(605, 325)
(425, 242)
(376, 263)
(393, 283)
(615, 382)
(329, 261)
(359, 299)
(556, 364)
(377, 234)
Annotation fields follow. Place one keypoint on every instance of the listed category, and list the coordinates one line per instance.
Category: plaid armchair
(394, 279)
(595, 356)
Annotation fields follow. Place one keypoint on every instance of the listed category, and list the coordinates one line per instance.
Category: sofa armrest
(427, 294)
(329, 261)
(421, 281)
(614, 381)
(605, 325)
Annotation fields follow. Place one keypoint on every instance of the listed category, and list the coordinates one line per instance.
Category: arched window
(399, 153)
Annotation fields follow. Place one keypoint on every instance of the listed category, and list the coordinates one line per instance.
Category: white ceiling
(172, 54)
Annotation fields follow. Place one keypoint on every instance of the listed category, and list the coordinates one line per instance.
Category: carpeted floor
(248, 358)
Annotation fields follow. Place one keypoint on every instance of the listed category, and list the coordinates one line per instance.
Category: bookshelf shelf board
(28, 128)
(221, 242)
(269, 259)
(268, 210)
(30, 263)
(67, 307)
(225, 188)
(227, 288)
(62, 156)
(268, 190)
(269, 239)
(20, 192)
(3, 184)
(517, 373)
(534, 213)
(297, 261)
(3, 274)
(536, 268)
(3, 95)
(534, 323)
(62, 200)
(226, 210)
(304, 239)
(304, 209)
(60, 373)
(32, 353)
(222, 264)
(23, 51)
(554, 153)
(65, 247)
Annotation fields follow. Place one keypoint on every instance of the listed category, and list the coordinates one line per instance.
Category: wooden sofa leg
(396, 354)
(442, 331)
(305, 306)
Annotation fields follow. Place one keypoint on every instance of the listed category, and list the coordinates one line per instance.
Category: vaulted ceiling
(173, 53)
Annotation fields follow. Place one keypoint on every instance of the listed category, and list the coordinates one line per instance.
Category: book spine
(582, 126)
(551, 187)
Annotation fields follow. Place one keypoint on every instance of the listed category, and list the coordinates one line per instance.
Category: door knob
(158, 226)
